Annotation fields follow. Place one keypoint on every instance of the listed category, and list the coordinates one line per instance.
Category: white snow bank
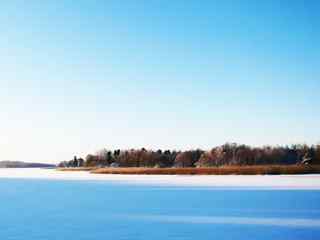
(311, 181)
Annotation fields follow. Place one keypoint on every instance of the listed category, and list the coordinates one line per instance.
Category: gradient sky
(77, 76)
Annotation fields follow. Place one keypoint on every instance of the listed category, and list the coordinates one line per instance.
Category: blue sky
(80, 76)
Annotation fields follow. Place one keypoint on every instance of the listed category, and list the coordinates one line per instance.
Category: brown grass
(71, 169)
(225, 170)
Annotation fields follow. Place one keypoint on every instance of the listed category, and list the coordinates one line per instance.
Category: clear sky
(77, 76)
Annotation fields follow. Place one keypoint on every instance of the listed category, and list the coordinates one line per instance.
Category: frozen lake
(45, 204)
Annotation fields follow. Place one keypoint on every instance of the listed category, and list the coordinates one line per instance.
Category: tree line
(227, 154)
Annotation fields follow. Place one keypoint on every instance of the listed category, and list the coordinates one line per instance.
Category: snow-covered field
(311, 181)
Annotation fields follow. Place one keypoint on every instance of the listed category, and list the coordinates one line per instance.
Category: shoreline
(257, 182)
(223, 170)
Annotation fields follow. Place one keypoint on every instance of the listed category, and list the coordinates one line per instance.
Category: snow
(298, 182)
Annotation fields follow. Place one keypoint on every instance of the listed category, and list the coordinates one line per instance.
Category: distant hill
(19, 164)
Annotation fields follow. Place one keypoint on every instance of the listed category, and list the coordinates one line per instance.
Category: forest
(229, 154)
